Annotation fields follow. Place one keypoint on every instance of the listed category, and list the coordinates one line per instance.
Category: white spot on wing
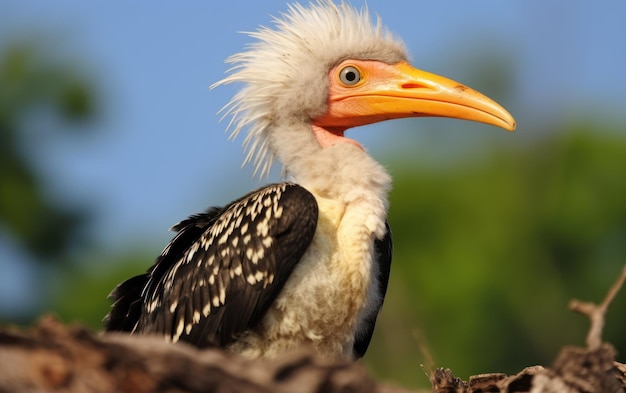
(262, 228)
(267, 242)
(153, 305)
(222, 295)
(179, 330)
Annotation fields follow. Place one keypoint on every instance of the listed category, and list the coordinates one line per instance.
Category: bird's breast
(329, 290)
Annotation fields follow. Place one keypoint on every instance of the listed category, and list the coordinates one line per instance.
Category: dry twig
(597, 314)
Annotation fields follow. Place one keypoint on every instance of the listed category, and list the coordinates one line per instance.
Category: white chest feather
(331, 289)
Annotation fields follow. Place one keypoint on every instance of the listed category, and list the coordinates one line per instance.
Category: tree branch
(57, 358)
(597, 314)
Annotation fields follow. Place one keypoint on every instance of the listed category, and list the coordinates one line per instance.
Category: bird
(304, 262)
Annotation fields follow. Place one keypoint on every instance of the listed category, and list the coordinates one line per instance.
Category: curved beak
(391, 91)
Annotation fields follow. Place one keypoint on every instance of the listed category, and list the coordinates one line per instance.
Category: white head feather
(286, 69)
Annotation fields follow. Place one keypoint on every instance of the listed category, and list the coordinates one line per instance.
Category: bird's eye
(349, 76)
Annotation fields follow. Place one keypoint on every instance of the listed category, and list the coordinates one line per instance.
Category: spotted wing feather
(224, 268)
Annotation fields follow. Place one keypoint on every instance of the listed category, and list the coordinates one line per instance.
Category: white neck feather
(343, 172)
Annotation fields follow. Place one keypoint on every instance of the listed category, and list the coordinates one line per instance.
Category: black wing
(218, 276)
(126, 309)
(384, 252)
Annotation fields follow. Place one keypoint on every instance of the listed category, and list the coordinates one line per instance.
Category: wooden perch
(53, 357)
(56, 358)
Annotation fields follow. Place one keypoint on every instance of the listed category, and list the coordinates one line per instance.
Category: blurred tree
(33, 86)
(82, 292)
(32, 83)
(489, 251)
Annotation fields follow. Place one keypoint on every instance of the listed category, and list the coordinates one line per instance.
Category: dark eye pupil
(350, 76)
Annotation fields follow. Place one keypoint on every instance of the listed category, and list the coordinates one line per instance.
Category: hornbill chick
(304, 262)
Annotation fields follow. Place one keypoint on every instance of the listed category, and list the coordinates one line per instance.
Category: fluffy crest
(285, 70)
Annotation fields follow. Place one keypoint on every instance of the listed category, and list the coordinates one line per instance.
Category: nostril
(412, 86)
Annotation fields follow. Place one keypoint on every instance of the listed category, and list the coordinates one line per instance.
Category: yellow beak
(394, 91)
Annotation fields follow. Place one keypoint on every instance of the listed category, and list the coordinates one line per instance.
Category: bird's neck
(342, 171)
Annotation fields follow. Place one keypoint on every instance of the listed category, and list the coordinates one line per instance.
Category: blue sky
(160, 152)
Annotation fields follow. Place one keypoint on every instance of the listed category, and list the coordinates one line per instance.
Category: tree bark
(53, 357)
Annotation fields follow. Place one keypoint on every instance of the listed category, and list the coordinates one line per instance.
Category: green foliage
(33, 85)
(489, 252)
(82, 292)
